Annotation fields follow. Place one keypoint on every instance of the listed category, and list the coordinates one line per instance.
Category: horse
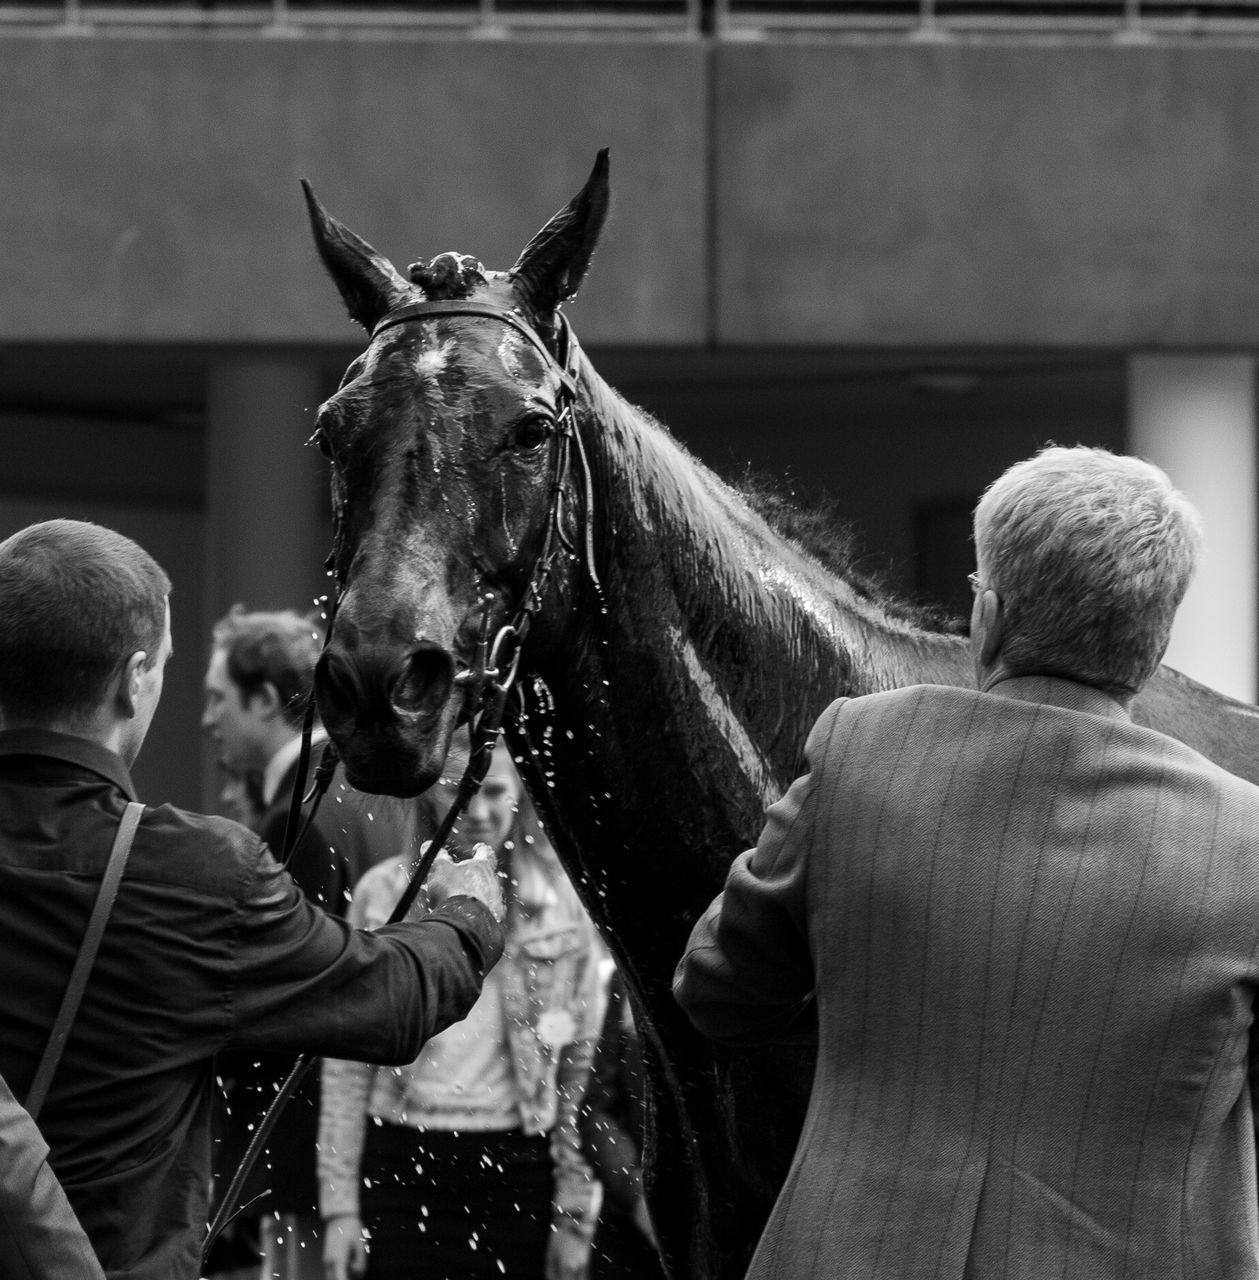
(667, 646)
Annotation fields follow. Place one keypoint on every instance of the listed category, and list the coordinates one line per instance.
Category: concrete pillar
(266, 517)
(1195, 417)
(266, 495)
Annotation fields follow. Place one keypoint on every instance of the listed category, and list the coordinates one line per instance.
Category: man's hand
(344, 1251)
(476, 876)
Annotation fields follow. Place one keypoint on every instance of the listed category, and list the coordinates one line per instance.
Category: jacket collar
(70, 750)
(1055, 691)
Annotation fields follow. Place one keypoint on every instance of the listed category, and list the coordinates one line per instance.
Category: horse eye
(531, 433)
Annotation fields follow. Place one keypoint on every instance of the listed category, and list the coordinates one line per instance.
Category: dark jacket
(615, 1106)
(210, 945)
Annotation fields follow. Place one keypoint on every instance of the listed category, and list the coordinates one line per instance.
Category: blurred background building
(881, 248)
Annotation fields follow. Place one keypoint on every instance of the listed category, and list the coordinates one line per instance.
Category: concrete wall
(151, 185)
(874, 193)
(983, 193)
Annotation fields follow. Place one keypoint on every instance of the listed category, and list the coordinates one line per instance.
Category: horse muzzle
(391, 717)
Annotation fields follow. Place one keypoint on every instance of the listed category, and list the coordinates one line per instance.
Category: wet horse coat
(665, 690)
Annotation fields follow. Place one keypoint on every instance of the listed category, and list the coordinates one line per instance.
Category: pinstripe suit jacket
(1024, 932)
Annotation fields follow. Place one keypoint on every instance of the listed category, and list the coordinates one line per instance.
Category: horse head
(442, 442)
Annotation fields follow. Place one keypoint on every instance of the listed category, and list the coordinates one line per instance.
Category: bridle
(486, 683)
(497, 663)
(491, 677)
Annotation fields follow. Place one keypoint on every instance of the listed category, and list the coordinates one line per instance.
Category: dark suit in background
(1024, 933)
(611, 1122)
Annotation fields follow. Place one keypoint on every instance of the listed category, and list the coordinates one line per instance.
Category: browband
(423, 310)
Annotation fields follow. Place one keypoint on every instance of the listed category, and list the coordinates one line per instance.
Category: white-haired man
(1023, 931)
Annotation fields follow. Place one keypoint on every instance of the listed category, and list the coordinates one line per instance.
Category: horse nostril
(424, 684)
(336, 690)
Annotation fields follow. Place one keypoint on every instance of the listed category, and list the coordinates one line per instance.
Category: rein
(486, 684)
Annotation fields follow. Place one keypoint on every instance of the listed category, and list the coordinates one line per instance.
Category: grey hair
(1091, 553)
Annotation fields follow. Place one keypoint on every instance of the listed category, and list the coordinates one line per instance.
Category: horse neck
(714, 605)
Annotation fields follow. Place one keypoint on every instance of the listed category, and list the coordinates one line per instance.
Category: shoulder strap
(86, 957)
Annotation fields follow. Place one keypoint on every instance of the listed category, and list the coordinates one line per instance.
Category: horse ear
(554, 262)
(368, 282)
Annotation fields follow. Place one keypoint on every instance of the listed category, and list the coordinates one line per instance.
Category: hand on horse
(477, 876)
(344, 1247)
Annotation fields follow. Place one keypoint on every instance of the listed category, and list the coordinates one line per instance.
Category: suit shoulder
(874, 720)
(1173, 753)
(906, 699)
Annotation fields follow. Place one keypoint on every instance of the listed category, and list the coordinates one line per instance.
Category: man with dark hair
(261, 668)
(277, 648)
(210, 945)
(1022, 931)
(80, 603)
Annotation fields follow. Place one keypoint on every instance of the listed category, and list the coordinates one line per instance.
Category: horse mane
(820, 531)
